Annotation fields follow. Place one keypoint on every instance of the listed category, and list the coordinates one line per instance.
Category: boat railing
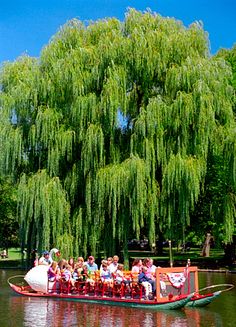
(94, 285)
(130, 286)
(170, 283)
(176, 281)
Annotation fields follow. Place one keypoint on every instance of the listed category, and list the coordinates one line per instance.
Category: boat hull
(177, 303)
(202, 300)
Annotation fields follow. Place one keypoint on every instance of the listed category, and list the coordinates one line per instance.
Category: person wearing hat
(92, 266)
(45, 259)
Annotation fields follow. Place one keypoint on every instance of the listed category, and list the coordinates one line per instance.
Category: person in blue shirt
(92, 266)
(148, 283)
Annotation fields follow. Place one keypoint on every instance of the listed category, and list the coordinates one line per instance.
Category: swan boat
(178, 288)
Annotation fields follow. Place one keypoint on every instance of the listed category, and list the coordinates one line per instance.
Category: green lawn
(14, 254)
(216, 255)
(13, 260)
(194, 255)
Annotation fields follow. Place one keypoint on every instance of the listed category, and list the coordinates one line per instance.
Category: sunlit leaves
(42, 203)
(90, 181)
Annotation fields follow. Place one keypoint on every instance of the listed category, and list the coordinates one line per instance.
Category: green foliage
(84, 179)
(8, 220)
(230, 57)
(43, 208)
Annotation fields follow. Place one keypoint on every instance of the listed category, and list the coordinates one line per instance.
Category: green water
(29, 312)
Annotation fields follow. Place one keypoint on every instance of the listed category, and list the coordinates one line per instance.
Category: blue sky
(27, 26)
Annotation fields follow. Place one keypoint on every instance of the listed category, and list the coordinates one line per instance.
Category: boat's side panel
(141, 305)
(151, 305)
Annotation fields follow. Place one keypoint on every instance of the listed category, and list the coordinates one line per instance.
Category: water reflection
(198, 317)
(43, 312)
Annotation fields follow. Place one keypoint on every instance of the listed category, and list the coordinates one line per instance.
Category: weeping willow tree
(109, 131)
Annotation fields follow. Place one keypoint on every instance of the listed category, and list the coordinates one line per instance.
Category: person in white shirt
(114, 265)
(45, 259)
(137, 266)
(152, 267)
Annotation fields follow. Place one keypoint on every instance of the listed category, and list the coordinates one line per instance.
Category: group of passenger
(110, 272)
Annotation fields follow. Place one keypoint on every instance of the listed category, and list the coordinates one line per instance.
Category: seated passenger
(76, 275)
(80, 261)
(106, 276)
(104, 261)
(119, 274)
(53, 272)
(147, 282)
(109, 262)
(137, 266)
(120, 277)
(86, 276)
(114, 265)
(62, 265)
(67, 275)
(71, 262)
(148, 263)
(152, 267)
(92, 266)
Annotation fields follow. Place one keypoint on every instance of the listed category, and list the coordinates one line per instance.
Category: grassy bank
(215, 261)
(14, 259)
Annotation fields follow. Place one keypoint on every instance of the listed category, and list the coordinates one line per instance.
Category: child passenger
(76, 275)
(67, 275)
(80, 261)
(109, 262)
(53, 272)
(120, 273)
(147, 282)
(101, 267)
(54, 276)
(106, 275)
(71, 262)
(120, 277)
(86, 275)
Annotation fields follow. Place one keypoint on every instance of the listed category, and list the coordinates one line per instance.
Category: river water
(21, 311)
